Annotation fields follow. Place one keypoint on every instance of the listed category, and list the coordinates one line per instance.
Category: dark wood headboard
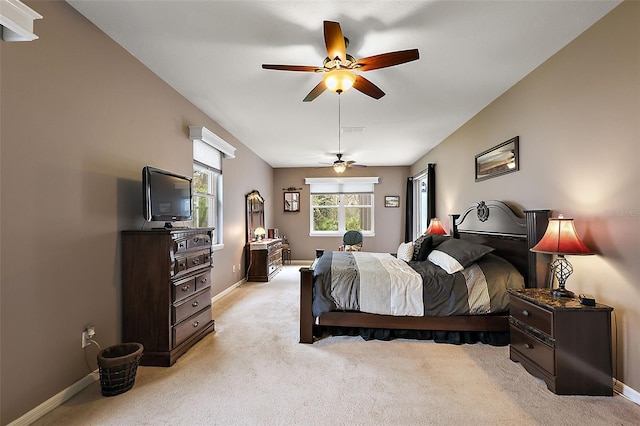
(510, 232)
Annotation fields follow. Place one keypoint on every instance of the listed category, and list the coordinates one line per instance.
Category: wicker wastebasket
(118, 365)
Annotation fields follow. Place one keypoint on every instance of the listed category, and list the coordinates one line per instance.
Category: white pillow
(405, 251)
(445, 261)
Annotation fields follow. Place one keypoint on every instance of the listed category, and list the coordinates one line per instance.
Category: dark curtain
(431, 194)
(408, 212)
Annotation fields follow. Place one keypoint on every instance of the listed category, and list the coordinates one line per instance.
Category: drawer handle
(528, 346)
(185, 288)
(195, 261)
(196, 239)
(194, 304)
(204, 280)
(195, 324)
(525, 313)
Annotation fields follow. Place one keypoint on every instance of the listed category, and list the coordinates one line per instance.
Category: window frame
(341, 185)
(214, 220)
(342, 217)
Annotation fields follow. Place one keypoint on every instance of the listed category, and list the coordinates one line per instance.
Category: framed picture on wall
(392, 201)
(499, 160)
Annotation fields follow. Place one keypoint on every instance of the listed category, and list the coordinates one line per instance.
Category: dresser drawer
(203, 280)
(182, 245)
(532, 315)
(533, 349)
(190, 306)
(183, 288)
(198, 241)
(192, 261)
(190, 326)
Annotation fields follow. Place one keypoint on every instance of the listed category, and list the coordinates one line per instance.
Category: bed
(509, 234)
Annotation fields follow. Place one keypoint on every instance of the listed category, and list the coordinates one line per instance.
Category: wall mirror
(291, 201)
(255, 213)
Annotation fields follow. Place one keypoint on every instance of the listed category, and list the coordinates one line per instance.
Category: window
(208, 151)
(341, 204)
(207, 183)
(421, 191)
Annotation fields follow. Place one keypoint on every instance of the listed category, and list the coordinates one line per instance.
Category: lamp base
(562, 292)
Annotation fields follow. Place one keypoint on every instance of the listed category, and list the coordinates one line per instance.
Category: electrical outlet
(233, 268)
(87, 335)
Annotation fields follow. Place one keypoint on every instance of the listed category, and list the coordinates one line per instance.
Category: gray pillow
(454, 255)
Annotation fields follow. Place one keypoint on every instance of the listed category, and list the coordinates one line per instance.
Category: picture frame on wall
(499, 160)
(392, 201)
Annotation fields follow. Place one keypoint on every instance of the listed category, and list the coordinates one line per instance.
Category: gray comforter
(479, 289)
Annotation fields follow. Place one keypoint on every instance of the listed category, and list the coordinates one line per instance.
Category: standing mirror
(291, 201)
(255, 214)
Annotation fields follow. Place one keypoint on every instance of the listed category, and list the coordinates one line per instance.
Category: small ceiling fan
(339, 67)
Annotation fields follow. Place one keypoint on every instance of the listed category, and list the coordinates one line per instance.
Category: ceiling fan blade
(367, 87)
(315, 92)
(334, 40)
(387, 59)
(303, 68)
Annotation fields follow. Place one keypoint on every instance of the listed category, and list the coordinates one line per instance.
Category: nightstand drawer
(533, 349)
(532, 315)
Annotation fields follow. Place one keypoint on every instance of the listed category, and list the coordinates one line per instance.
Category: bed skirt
(493, 338)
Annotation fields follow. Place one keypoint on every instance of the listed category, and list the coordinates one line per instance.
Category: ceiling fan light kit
(339, 80)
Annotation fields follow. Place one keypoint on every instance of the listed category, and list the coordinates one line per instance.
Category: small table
(564, 343)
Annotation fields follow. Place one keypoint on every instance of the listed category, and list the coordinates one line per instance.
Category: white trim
(205, 135)
(627, 392)
(216, 247)
(310, 181)
(16, 20)
(227, 291)
(56, 400)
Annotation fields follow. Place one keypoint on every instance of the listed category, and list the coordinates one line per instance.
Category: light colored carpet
(253, 371)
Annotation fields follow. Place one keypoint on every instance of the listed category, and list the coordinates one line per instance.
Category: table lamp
(435, 227)
(561, 239)
(259, 233)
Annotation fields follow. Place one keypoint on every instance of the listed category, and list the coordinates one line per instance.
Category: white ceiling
(471, 52)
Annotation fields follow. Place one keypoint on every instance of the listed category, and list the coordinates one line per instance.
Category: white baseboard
(629, 393)
(56, 400)
(227, 291)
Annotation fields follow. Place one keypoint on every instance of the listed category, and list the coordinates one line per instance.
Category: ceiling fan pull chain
(339, 125)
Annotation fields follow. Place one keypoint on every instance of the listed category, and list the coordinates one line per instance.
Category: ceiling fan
(339, 67)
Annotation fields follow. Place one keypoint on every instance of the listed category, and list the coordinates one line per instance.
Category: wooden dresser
(564, 343)
(264, 259)
(166, 298)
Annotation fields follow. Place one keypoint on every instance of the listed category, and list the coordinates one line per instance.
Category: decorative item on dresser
(166, 298)
(494, 225)
(561, 341)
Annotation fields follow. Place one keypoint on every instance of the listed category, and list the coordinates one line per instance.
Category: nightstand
(564, 343)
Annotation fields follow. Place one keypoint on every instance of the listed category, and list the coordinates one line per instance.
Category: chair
(352, 241)
(286, 251)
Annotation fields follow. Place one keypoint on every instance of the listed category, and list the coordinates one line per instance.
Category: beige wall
(389, 222)
(80, 118)
(578, 118)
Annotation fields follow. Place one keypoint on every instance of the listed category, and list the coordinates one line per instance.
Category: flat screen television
(167, 196)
